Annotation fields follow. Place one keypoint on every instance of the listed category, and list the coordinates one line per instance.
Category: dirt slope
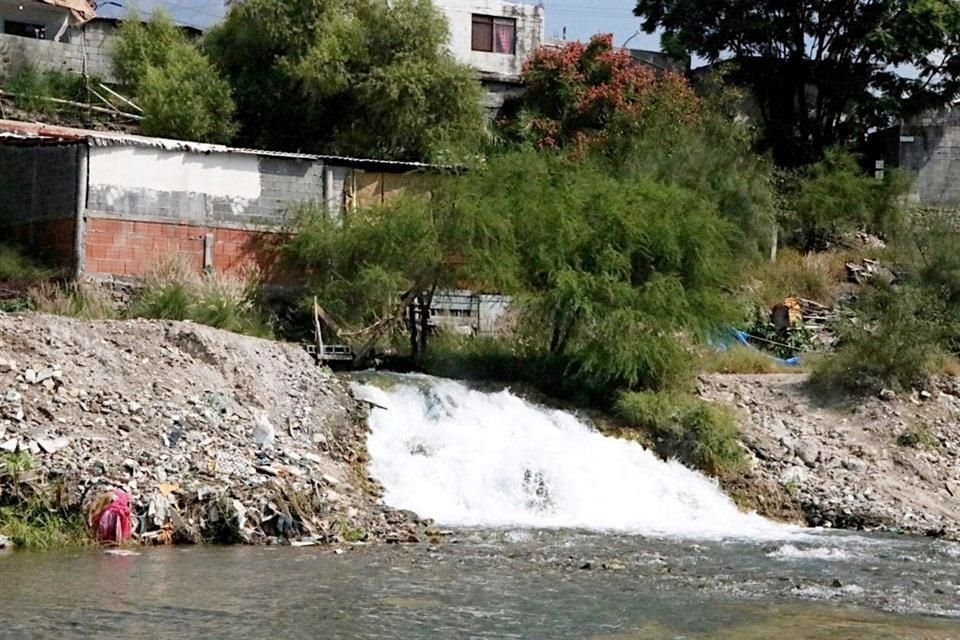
(876, 463)
(216, 435)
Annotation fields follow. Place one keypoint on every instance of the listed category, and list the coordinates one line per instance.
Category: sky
(582, 18)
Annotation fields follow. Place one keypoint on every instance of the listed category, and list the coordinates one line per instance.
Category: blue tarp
(735, 337)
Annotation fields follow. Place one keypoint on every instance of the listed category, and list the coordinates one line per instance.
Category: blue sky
(582, 18)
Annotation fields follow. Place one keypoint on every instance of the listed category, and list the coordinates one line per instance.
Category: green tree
(821, 72)
(357, 77)
(180, 91)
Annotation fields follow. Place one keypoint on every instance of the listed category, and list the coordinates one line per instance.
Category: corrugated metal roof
(34, 130)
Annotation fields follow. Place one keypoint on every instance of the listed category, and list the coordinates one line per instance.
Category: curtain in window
(503, 34)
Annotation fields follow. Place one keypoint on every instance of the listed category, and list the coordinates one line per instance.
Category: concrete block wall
(930, 155)
(219, 189)
(92, 42)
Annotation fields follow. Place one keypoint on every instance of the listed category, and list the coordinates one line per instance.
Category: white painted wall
(459, 15)
(138, 168)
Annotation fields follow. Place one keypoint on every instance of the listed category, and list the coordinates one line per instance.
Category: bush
(815, 276)
(34, 88)
(180, 91)
(185, 98)
(173, 291)
(893, 342)
(696, 432)
(76, 300)
(834, 196)
(740, 359)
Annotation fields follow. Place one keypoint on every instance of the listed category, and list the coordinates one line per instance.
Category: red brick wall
(50, 240)
(128, 248)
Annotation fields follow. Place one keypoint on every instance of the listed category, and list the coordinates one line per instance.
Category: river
(554, 532)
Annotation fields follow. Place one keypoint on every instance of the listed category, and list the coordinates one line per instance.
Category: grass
(33, 89)
(698, 433)
(918, 436)
(18, 268)
(75, 299)
(740, 359)
(173, 291)
(815, 276)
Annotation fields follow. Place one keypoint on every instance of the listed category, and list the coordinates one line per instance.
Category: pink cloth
(113, 521)
(504, 35)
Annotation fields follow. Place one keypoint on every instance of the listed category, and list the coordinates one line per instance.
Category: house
(55, 35)
(109, 205)
(494, 37)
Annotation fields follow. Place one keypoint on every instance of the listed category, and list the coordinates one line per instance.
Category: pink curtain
(503, 35)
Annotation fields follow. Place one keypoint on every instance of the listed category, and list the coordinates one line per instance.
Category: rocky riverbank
(218, 437)
(890, 462)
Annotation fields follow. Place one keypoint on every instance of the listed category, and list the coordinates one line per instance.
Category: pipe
(79, 239)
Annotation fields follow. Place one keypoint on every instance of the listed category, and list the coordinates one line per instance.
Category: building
(927, 149)
(494, 37)
(108, 205)
(55, 35)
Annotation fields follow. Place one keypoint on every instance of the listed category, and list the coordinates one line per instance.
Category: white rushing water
(470, 458)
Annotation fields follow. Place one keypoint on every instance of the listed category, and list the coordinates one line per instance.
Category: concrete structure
(46, 38)
(494, 37)
(927, 149)
(105, 204)
(467, 312)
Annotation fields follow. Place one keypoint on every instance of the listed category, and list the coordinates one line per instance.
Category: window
(24, 29)
(496, 35)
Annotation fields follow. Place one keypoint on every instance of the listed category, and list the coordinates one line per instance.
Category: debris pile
(215, 436)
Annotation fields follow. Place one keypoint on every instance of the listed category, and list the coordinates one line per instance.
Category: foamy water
(470, 458)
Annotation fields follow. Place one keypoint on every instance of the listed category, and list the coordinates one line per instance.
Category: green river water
(495, 584)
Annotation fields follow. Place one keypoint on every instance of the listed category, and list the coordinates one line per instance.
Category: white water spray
(469, 458)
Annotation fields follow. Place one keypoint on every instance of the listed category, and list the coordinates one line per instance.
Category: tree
(821, 72)
(180, 91)
(354, 77)
(584, 92)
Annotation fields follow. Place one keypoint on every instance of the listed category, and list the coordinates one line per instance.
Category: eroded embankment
(891, 462)
(216, 436)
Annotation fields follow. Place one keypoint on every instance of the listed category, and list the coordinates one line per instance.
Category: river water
(555, 532)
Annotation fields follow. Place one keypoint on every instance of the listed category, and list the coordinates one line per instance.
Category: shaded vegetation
(696, 432)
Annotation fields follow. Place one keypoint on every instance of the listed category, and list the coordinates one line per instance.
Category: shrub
(894, 341)
(76, 300)
(816, 276)
(694, 431)
(918, 435)
(173, 291)
(180, 91)
(835, 196)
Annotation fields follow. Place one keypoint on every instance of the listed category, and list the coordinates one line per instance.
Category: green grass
(918, 436)
(18, 268)
(740, 359)
(698, 433)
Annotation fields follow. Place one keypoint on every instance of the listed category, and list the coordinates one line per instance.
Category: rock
(5, 543)
(7, 365)
(263, 432)
(836, 584)
(887, 395)
(808, 454)
(53, 445)
(586, 566)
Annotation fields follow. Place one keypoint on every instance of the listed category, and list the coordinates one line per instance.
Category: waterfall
(470, 458)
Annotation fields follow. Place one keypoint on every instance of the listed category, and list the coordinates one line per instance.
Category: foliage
(74, 299)
(178, 88)
(740, 359)
(33, 89)
(892, 342)
(822, 73)
(918, 435)
(354, 77)
(814, 276)
(173, 291)
(19, 268)
(583, 92)
(696, 432)
(834, 196)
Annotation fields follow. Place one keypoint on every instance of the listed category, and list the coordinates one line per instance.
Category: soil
(216, 436)
(890, 462)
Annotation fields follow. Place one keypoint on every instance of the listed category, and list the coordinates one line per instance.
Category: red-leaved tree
(587, 92)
